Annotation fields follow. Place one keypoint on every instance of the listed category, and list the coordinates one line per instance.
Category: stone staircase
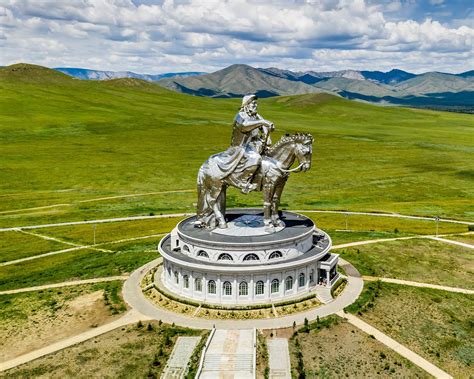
(231, 354)
(279, 358)
(177, 364)
(324, 294)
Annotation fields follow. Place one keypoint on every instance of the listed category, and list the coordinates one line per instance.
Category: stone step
(324, 294)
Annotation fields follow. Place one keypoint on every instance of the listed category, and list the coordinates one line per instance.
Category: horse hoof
(222, 225)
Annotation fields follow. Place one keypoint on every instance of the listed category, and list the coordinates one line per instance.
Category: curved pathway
(133, 295)
(418, 284)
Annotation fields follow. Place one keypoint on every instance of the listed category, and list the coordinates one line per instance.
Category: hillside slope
(236, 81)
(65, 141)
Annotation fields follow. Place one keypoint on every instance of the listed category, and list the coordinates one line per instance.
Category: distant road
(133, 218)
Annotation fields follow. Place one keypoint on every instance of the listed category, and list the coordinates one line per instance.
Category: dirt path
(394, 345)
(418, 284)
(395, 215)
(463, 244)
(366, 242)
(65, 284)
(130, 317)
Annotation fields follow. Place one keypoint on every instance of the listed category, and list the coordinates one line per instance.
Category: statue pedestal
(247, 225)
(244, 264)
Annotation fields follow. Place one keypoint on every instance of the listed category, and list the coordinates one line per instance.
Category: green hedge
(232, 308)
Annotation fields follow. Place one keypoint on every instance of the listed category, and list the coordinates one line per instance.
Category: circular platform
(210, 266)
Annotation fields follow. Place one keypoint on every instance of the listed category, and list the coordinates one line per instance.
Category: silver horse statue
(270, 178)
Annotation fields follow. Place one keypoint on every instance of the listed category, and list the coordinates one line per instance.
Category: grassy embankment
(135, 351)
(35, 319)
(332, 348)
(418, 260)
(435, 324)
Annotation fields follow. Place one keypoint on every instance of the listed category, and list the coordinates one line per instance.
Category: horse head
(294, 147)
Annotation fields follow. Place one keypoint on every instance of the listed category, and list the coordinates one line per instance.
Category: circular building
(245, 263)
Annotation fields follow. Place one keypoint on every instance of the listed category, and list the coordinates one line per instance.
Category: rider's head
(249, 104)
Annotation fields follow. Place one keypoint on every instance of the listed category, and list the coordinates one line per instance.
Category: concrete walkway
(418, 284)
(177, 364)
(279, 358)
(64, 284)
(135, 298)
(230, 355)
(130, 317)
(394, 345)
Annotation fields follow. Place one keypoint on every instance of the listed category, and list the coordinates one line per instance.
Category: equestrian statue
(251, 163)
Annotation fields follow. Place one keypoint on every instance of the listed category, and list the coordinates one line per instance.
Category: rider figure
(250, 131)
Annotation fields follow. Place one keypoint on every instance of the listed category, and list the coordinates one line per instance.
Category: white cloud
(211, 34)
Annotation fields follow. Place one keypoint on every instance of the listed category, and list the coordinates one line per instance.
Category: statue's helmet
(247, 99)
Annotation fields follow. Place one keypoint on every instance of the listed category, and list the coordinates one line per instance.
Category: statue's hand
(270, 125)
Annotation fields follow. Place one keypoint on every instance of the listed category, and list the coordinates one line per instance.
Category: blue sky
(205, 35)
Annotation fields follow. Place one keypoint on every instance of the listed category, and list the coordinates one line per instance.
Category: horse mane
(304, 138)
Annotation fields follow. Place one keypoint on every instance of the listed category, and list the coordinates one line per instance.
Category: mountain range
(431, 90)
(86, 74)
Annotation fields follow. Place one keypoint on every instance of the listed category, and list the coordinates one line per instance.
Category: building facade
(245, 264)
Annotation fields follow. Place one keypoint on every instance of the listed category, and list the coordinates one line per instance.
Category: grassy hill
(236, 80)
(67, 144)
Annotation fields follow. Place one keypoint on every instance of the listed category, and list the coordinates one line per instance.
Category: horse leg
(267, 190)
(276, 202)
(219, 208)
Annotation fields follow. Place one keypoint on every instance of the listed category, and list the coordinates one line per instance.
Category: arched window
(211, 286)
(275, 254)
(243, 289)
(301, 280)
(186, 248)
(176, 277)
(311, 276)
(186, 281)
(251, 257)
(288, 283)
(202, 253)
(275, 285)
(259, 288)
(225, 257)
(169, 271)
(227, 289)
(198, 284)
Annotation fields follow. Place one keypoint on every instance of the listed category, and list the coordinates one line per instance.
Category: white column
(204, 286)
(235, 291)
(251, 289)
(219, 288)
(328, 284)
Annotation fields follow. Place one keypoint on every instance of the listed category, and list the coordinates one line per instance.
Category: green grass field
(418, 260)
(65, 141)
(79, 264)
